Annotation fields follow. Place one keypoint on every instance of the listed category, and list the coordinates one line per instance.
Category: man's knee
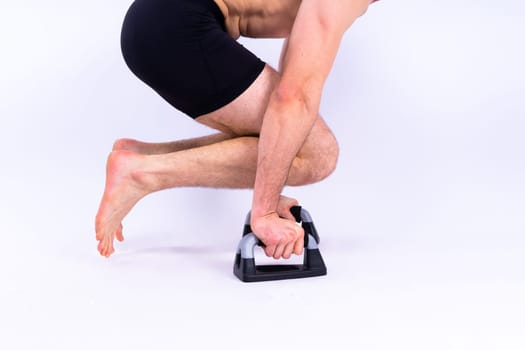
(326, 162)
(320, 163)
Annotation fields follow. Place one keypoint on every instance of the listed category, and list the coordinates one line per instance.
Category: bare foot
(136, 146)
(123, 190)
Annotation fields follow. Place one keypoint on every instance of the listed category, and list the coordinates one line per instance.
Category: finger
(289, 201)
(278, 251)
(119, 235)
(287, 214)
(288, 211)
(298, 246)
(288, 250)
(292, 203)
(285, 203)
(269, 250)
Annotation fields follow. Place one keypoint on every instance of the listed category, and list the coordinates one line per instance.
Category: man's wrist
(258, 213)
(256, 217)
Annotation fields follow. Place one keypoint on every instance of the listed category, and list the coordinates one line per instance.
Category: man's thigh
(244, 115)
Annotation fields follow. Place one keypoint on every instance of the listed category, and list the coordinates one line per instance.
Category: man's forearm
(286, 125)
(293, 107)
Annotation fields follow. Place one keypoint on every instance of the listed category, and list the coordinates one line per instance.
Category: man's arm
(292, 111)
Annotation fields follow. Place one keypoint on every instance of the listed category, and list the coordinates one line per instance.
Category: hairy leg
(131, 176)
(215, 161)
(150, 148)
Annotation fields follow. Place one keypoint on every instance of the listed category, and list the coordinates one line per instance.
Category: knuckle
(272, 240)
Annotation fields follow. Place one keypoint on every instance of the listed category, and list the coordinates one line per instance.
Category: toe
(104, 246)
(119, 235)
(100, 248)
(108, 247)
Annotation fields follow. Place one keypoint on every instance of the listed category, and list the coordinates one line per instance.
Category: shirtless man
(271, 134)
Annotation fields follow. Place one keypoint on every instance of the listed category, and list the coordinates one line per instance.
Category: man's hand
(282, 237)
(295, 245)
(280, 243)
(284, 206)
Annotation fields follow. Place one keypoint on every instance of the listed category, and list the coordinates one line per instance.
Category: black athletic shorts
(181, 49)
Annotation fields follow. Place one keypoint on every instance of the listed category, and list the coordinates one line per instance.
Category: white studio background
(422, 224)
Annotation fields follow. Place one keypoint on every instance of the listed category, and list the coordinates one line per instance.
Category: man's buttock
(180, 48)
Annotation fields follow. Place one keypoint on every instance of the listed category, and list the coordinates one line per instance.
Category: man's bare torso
(259, 18)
